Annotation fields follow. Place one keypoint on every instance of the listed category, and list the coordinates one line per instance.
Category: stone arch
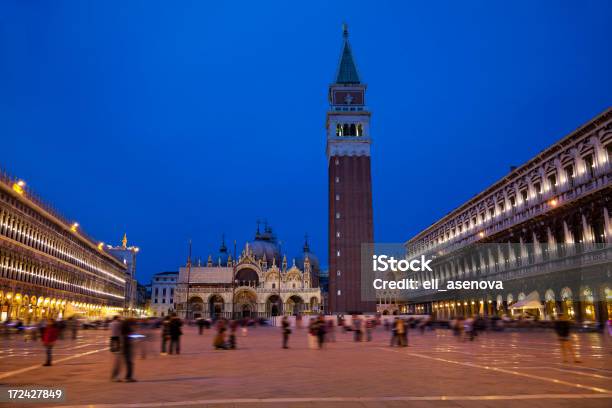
(274, 305)
(295, 304)
(216, 306)
(195, 307)
(247, 276)
(246, 302)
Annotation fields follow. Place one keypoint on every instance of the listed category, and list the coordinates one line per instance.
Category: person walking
(200, 326)
(127, 348)
(356, 328)
(74, 327)
(115, 347)
(400, 330)
(165, 334)
(369, 326)
(562, 327)
(175, 334)
(232, 336)
(286, 331)
(219, 340)
(394, 337)
(49, 338)
(331, 331)
(321, 326)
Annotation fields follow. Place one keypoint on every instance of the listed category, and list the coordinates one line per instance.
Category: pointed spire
(188, 256)
(223, 248)
(306, 246)
(347, 70)
(124, 240)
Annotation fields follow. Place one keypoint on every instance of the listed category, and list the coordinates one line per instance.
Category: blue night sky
(177, 120)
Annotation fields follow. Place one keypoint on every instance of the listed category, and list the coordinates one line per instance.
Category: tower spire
(347, 70)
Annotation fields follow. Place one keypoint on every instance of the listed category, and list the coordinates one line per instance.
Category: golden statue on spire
(124, 240)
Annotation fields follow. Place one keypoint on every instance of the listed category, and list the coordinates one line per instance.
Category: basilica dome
(265, 244)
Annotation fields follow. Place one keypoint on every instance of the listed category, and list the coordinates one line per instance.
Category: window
(337, 234)
(156, 291)
(491, 212)
(274, 286)
(609, 150)
(164, 292)
(337, 215)
(338, 272)
(337, 162)
(171, 300)
(569, 174)
(512, 202)
(164, 300)
(339, 292)
(552, 180)
(524, 195)
(338, 253)
(155, 301)
(171, 291)
(590, 165)
(337, 197)
(337, 179)
(537, 186)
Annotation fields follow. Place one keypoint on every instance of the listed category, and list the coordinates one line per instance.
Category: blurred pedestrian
(115, 347)
(321, 326)
(331, 331)
(394, 336)
(200, 322)
(127, 349)
(285, 326)
(312, 333)
(74, 326)
(562, 327)
(175, 334)
(219, 339)
(165, 334)
(356, 328)
(369, 326)
(232, 336)
(468, 328)
(49, 338)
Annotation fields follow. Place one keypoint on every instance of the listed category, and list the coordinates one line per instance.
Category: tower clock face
(348, 97)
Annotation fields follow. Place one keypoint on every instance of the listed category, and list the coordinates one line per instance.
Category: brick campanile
(350, 186)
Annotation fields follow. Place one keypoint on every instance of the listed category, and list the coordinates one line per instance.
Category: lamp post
(281, 310)
(233, 279)
(188, 280)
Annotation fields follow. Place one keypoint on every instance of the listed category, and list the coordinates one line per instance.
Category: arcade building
(544, 229)
(259, 283)
(49, 267)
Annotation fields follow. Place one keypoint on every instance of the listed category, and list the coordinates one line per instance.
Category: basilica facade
(259, 283)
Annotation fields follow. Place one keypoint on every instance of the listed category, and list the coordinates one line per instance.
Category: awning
(531, 301)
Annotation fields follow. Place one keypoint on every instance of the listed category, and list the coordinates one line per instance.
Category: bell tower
(350, 185)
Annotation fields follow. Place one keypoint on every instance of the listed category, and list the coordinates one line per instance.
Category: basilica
(259, 283)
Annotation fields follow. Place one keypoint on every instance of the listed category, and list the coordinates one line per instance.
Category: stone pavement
(436, 370)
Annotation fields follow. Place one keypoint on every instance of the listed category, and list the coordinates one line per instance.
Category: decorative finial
(306, 246)
(345, 30)
(124, 240)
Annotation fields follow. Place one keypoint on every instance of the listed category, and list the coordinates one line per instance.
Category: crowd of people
(128, 335)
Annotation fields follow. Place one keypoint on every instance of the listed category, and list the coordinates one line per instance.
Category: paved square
(497, 369)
